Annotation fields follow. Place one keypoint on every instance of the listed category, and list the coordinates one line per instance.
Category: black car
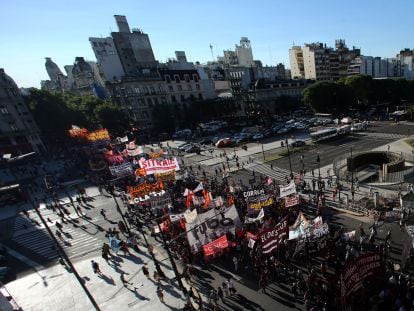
(205, 141)
(298, 143)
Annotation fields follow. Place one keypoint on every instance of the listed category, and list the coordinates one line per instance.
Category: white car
(283, 130)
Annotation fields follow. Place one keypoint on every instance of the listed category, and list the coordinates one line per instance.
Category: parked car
(205, 141)
(298, 143)
(182, 133)
(258, 136)
(193, 149)
(224, 142)
(283, 130)
(184, 146)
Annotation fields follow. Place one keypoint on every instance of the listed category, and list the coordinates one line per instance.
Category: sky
(31, 30)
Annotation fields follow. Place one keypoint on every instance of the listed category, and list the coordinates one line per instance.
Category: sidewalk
(13, 210)
(55, 288)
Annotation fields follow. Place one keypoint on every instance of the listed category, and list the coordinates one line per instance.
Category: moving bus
(11, 194)
(323, 134)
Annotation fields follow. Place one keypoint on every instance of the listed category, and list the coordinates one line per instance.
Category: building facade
(406, 58)
(297, 67)
(375, 67)
(244, 53)
(19, 133)
(107, 58)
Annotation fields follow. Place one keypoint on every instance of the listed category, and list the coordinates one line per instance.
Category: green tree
(362, 86)
(111, 117)
(329, 97)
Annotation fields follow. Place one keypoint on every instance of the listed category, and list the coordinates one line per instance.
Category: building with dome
(19, 133)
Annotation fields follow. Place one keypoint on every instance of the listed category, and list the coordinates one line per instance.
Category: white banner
(210, 225)
(133, 150)
(190, 217)
(152, 166)
(288, 190)
(259, 217)
(121, 170)
(160, 201)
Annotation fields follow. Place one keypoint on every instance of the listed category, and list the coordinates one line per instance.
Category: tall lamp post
(318, 159)
(65, 256)
(302, 160)
(290, 162)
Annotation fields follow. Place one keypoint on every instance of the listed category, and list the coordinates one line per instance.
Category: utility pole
(174, 266)
(62, 252)
(290, 162)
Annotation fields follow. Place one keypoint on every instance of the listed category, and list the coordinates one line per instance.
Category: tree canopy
(55, 113)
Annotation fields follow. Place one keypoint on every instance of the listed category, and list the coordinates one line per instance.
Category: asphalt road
(378, 135)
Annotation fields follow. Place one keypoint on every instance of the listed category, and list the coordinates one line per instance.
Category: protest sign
(272, 237)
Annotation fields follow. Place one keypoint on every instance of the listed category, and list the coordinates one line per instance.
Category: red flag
(189, 198)
(231, 200)
(206, 198)
(182, 223)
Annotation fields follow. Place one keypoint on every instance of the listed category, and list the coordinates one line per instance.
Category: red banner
(98, 135)
(356, 271)
(215, 246)
(271, 238)
(291, 201)
(145, 189)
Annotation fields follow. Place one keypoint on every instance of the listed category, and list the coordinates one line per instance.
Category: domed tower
(52, 70)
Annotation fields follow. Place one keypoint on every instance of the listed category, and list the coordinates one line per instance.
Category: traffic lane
(328, 151)
(392, 128)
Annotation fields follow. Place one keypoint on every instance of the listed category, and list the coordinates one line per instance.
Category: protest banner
(216, 246)
(101, 134)
(167, 176)
(357, 271)
(298, 229)
(77, 132)
(144, 189)
(122, 170)
(153, 166)
(210, 225)
(248, 220)
(256, 204)
(160, 201)
(287, 190)
(271, 238)
(291, 201)
(253, 193)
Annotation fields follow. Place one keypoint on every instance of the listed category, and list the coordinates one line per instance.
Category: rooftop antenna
(212, 53)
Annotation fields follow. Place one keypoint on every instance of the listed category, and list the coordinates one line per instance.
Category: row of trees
(55, 113)
(358, 92)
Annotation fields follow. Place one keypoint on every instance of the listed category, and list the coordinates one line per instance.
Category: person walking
(124, 281)
(220, 294)
(146, 271)
(225, 289)
(103, 214)
(236, 263)
(95, 267)
(230, 285)
(160, 294)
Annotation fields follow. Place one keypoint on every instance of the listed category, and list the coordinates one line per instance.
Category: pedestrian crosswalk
(276, 173)
(77, 238)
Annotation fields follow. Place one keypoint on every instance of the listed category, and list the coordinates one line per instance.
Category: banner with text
(287, 190)
(208, 226)
(216, 246)
(153, 166)
(255, 205)
(145, 189)
(122, 170)
(271, 238)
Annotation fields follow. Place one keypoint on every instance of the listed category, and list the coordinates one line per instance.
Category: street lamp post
(318, 159)
(302, 160)
(174, 266)
(290, 162)
(65, 256)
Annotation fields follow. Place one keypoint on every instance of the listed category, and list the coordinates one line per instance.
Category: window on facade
(4, 110)
(197, 86)
(13, 127)
(187, 78)
(149, 102)
(161, 88)
(137, 90)
(152, 90)
(200, 96)
(145, 114)
(13, 91)
(179, 87)
(177, 78)
(146, 91)
(170, 88)
(173, 99)
(182, 98)
(111, 53)
(141, 103)
(163, 100)
(189, 87)
(156, 102)
(167, 78)
(195, 78)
